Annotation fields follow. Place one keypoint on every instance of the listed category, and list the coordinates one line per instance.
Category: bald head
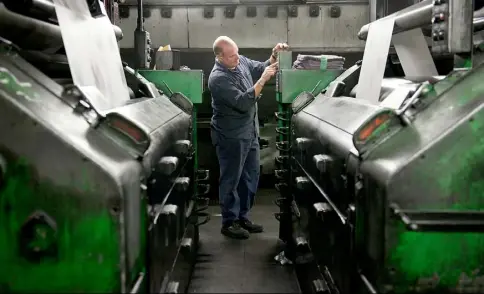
(221, 43)
(226, 51)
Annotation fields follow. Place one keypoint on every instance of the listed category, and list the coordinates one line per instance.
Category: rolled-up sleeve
(224, 91)
(256, 67)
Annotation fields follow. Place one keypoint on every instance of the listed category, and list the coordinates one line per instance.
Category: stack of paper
(332, 62)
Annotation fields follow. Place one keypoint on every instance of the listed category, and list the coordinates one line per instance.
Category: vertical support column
(283, 145)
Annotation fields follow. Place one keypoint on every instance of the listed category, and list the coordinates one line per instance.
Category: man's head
(226, 51)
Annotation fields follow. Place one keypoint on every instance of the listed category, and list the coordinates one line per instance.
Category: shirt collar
(224, 68)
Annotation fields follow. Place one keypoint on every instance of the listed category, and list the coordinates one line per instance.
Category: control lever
(187, 246)
(320, 286)
(169, 213)
(168, 165)
(400, 112)
(200, 192)
(183, 147)
(182, 183)
(203, 175)
(302, 143)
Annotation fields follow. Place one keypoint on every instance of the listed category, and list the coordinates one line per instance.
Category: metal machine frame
(336, 168)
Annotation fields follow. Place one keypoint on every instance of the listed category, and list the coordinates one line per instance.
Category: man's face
(230, 56)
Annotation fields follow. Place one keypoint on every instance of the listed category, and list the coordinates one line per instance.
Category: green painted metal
(284, 59)
(187, 82)
(450, 260)
(87, 259)
(294, 81)
(19, 88)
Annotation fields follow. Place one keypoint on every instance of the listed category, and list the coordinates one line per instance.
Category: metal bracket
(146, 12)
(166, 12)
(335, 11)
(208, 12)
(251, 11)
(123, 11)
(292, 10)
(229, 11)
(314, 10)
(272, 11)
(83, 105)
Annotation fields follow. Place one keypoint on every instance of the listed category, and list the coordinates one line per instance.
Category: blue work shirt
(234, 102)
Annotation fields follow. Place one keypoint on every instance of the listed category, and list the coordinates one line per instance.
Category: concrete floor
(243, 266)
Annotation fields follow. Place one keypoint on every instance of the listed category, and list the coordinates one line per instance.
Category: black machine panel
(326, 120)
(322, 146)
(85, 180)
(396, 208)
(68, 164)
(424, 184)
(159, 119)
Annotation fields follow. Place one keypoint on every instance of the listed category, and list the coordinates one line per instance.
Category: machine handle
(282, 130)
(279, 185)
(295, 209)
(369, 287)
(200, 207)
(205, 220)
(313, 91)
(412, 99)
(280, 146)
(279, 116)
(166, 89)
(440, 221)
(137, 286)
(205, 190)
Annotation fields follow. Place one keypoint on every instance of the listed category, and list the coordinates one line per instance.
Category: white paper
(374, 59)
(414, 54)
(93, 53)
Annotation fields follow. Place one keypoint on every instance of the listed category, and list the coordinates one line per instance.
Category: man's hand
(269, 72)
(280, 47)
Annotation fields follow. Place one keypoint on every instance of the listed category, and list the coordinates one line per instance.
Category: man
(235, 131)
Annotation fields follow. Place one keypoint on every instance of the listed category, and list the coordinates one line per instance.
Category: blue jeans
(239, 161)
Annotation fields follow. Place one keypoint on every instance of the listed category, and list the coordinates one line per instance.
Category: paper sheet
(93, 53)
(414, 54)
(374, 59)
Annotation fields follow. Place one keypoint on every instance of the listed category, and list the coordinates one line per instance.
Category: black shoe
(234, 231)
(251, 227)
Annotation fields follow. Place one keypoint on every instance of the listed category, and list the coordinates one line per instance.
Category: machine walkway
(243, 266)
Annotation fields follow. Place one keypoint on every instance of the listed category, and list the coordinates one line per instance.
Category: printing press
(91, 200)
(382, 194)
(379, 166)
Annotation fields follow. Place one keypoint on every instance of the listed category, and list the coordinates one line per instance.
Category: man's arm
(256, 68)
(223, 90)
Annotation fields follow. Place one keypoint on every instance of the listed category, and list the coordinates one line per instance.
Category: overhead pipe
(29, 32)
(416, 16)
(478, 23)
(412, 17)
(47, 7)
